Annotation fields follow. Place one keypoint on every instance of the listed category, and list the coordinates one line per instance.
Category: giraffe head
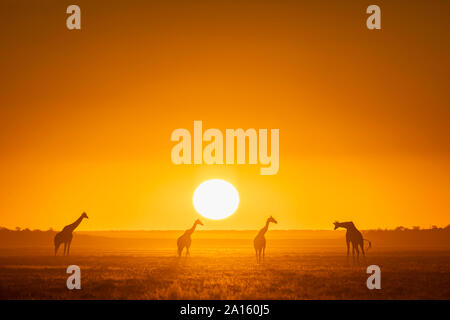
(272, 219)
(84, 215)
(198, 222)
(336, 225)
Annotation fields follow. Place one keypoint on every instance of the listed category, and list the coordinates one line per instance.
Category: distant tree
(18, 229)
(416, 228)
(401, 228)
(433, 227)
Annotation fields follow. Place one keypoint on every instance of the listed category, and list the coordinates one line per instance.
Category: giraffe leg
(357, 253)
(256, 253)
(68, 247)
(348, 250)
(56, 247)
(65, 248)
(363, 252)
(353, 252)
(264, 252)
(187, 252)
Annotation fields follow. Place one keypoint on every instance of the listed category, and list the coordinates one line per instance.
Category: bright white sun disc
(216, 199)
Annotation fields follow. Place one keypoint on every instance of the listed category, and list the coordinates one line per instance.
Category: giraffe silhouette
(65, 236)
(185, 239)
(260, 241)
(354, 237)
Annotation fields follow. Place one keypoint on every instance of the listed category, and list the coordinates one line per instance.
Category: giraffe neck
(348, 225)
(74, 225)
(266, 227)
(191, 230)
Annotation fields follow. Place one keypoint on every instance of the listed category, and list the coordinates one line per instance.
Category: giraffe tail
(370, 244)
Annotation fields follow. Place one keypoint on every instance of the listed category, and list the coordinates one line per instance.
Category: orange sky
(86, 116)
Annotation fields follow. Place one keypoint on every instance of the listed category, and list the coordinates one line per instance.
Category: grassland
(220, 269)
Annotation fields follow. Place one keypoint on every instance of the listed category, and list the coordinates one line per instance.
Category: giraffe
(185, 239)
(354, 236)
(260, 241)
(65, 236)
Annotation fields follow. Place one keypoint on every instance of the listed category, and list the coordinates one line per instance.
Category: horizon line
(227, 230)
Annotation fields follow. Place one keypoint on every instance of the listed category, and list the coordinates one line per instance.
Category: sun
(216, 199)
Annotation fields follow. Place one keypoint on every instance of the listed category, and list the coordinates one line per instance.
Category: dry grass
(227, 275)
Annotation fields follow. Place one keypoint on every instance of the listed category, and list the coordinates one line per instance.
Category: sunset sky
(86, 116)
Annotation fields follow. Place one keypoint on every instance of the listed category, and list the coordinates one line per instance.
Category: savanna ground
(218, 270)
